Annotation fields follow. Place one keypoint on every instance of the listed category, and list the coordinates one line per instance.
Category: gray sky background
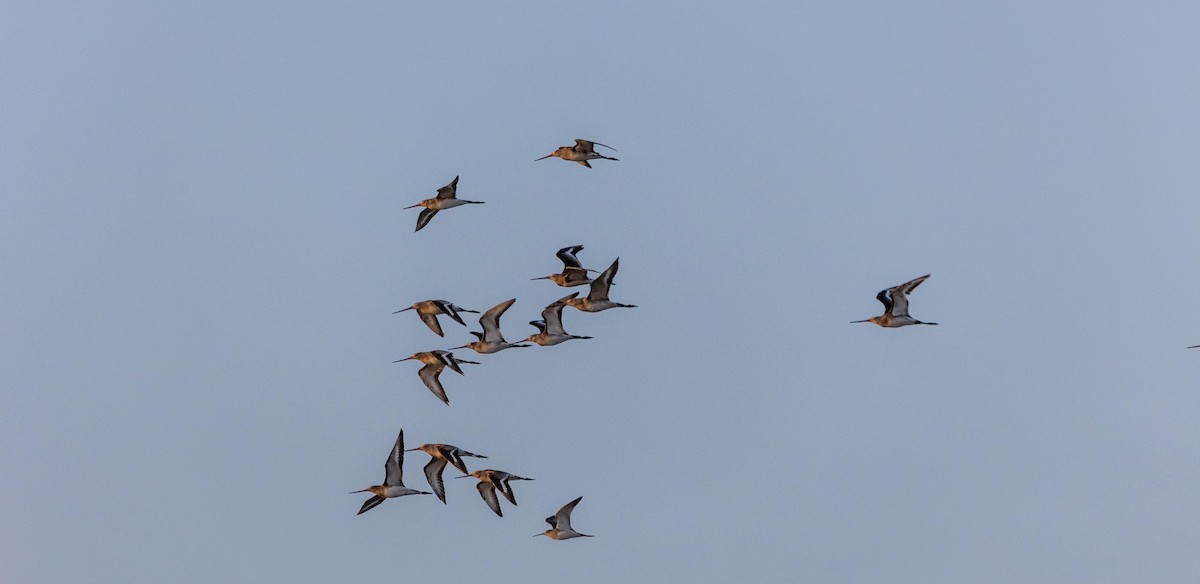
(203, 239)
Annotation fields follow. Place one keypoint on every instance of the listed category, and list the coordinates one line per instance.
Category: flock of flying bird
(550, 332)
(491, 340)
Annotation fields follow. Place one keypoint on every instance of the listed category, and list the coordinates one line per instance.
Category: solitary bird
(1194, 347)
(895, 305)
(560, 524)
(429, 309)
(435, 361)
(597, 298)
(440, 454)
(445, 199)
(491, 481)
(581, 152)
(490, 340)
(393, 480)
(573, 274)
(550, 328)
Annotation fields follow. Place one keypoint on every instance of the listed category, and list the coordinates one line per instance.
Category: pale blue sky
(203, 239)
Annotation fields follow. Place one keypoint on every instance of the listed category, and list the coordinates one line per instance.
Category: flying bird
(445, 199)
(550, 328)
(895, 305)
(393, 480)
(597, 298)
(435, 361)
(440, 454)
(560, 524)
(491, 481)
(429, 309)
(573, 274)
(490, 340)
(581, 152)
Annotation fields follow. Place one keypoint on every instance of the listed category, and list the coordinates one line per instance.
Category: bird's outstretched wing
(431, 321)
(370, 504)
(394, 467)
(424, 217)
(449, 309)
(599, 289)
(562, 519)
(488, 492)
(448, 191)
(490, 321)
(429, 374)
(567, 255)
(433, 474)
(899, 295)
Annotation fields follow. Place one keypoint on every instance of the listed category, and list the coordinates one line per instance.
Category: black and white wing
(447, 358)
(911, 285)
(562, 519)
(884, 299)
(488, 491)
(900, 294)
(433, 474)
(567, 255)
(448, 191)
(553, 316)
(502, 485)
(449, 309)
(599, 290)
(423, 219)
(454, 454)
(490, 321)
(370, 504)
(450, 453)
(394, 467)
(429, 374)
